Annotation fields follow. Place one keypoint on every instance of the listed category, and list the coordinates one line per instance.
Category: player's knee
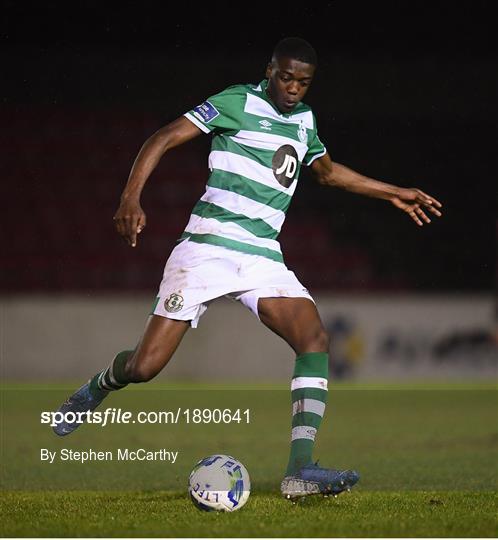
(324, 340)
(317, 341)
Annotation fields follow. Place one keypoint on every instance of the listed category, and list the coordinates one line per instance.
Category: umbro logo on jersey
(265, 124)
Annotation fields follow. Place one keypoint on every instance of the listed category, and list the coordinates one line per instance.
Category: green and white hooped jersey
(254, 163)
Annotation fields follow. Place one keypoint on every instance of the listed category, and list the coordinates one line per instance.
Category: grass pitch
(167, 514)
(427, 458)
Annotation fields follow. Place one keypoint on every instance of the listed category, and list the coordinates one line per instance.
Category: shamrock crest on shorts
(173, 303)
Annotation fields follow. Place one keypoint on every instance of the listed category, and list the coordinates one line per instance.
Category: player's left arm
(413, 201)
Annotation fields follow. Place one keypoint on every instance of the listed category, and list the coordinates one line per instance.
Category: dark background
(405, 92)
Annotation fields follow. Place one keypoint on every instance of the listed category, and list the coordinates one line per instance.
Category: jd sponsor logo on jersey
(206, 112)
(265, 124)
(174, 303)
(284, 164)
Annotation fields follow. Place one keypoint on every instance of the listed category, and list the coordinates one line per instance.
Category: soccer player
(261, 135)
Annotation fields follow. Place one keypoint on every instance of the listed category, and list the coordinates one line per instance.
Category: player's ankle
(95, 391)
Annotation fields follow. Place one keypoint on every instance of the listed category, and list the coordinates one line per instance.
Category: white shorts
(196, 274)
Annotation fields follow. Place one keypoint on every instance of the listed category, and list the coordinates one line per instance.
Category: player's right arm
(130, 219)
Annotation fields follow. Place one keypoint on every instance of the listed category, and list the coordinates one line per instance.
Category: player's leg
(159, 341)
(194, 275)
(298, 322)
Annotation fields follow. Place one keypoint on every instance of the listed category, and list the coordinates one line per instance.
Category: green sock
(309, 396)
(112, 377)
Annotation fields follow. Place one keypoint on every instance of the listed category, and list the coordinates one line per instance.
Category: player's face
(288, 82)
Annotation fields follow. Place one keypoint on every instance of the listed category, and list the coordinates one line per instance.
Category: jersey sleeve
(220, 112)
(316, 148)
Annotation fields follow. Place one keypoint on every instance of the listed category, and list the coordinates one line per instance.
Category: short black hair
(297, 49)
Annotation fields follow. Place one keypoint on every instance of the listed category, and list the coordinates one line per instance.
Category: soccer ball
(220, 483)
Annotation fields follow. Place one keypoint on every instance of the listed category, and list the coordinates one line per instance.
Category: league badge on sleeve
(206, 112)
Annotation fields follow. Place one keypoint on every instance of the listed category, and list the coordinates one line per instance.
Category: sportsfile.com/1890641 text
(113, 415)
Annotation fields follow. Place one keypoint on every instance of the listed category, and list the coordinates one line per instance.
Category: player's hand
(414, 202)
(130, 220)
